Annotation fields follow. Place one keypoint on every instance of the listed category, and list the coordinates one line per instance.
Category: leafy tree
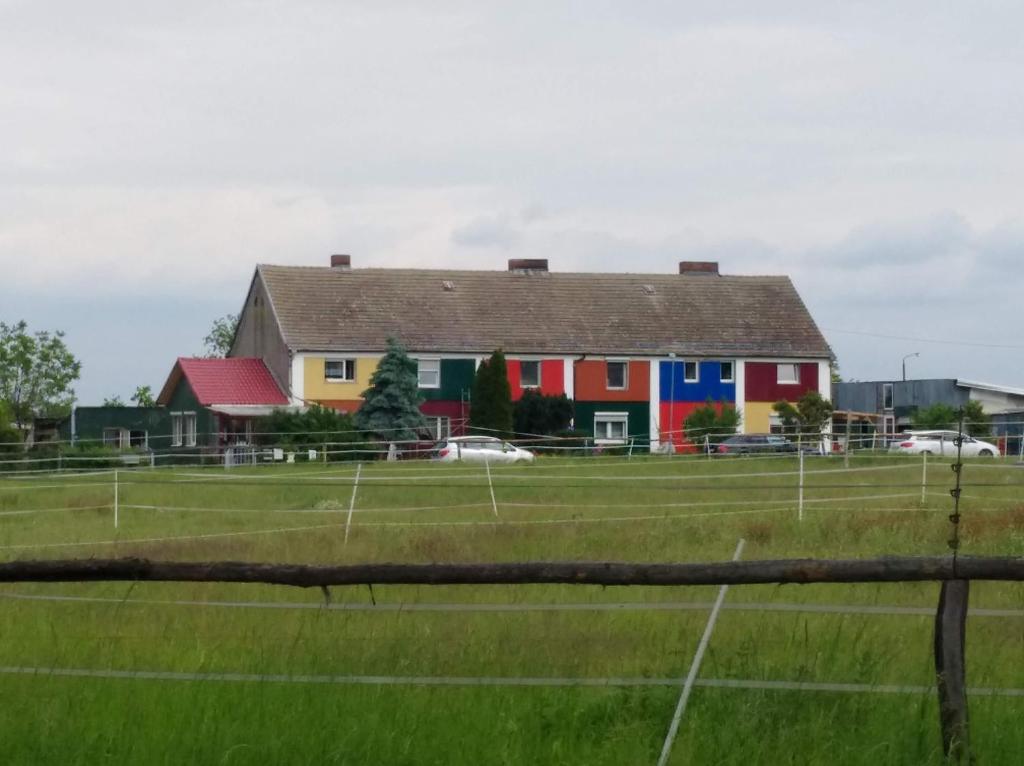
(10, 439)
(976, 421)
(947, 417)
(808, 416)
(218, 343)
(717, 422)
(36, 373)
(309, 429)
(391, 405)
(143, 397)
(536, 413)
(491, 406)
(114, 401)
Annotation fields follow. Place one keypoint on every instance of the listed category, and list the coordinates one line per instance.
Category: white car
(480, 449)
(942, 443)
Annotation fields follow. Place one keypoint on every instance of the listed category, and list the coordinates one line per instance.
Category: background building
(636, 353)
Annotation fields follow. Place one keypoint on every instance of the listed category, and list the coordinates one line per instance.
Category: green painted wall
(639, 416)
(456, 377)
(90, 422)
(184, 400)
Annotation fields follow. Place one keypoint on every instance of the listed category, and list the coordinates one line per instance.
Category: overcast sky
(152, 153)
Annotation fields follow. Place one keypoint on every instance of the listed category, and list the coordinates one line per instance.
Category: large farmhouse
(637, 353)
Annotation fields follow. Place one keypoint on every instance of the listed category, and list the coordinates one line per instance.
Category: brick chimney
(342, 262)
(528, 264)
(709, 268)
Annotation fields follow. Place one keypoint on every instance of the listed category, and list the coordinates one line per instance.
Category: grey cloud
(487, 231)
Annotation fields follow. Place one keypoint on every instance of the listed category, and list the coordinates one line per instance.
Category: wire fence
(662, 489)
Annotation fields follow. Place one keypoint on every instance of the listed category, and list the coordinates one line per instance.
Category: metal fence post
(117, 492)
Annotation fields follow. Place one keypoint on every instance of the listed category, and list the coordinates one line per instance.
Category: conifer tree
(391, 405)
(491, 408)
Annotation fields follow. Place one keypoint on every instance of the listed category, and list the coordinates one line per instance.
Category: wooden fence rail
(794, 571)
(955, 574)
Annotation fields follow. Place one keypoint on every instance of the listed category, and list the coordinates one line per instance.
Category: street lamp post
(908, 356)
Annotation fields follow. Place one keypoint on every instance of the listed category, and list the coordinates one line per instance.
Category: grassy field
(507, 675)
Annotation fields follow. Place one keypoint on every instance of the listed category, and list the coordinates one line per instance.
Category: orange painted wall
(591, 382)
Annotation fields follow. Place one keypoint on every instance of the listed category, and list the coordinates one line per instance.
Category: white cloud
(872, 150)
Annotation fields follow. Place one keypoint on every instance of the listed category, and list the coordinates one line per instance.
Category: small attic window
(448, 285)
(647, 289)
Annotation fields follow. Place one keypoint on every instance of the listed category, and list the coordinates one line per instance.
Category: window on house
(115, 438)
(691, 373)
(529, 374)
(176, 429)
(340, 370)
(775, 424)
(611, 427)
(429, 373)
(139, 439)
(439, 427)
(788, 373)
(618, 375)
(189, 423)
(887, 396)
(728, 372)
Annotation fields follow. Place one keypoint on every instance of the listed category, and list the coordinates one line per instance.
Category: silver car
(480, 449)
(942, 443)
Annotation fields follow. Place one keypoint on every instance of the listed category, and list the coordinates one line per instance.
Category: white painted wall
(740, 376)
(655, 405)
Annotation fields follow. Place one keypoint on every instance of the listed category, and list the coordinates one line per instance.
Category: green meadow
(166, 673)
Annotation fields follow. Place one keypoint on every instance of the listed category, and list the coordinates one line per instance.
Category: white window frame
(696, 372)
(732, 371)
(529, 361)
(888, 427)
(189, 423)
(784, 380)
(420, 369)
(121, 437)
(611, 417)
(440, 426)
(888, 393)
(177, 429)
(349, 370)
(625, 375)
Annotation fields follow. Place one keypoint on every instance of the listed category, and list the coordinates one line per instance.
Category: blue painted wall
(709, 384)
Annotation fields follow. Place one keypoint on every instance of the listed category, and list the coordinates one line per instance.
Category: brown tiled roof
(325, 309)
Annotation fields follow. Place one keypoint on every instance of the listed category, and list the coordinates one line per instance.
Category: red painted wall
(671, 418)
(590, 379)
(552, 377)
(762, 385)
(343, 405)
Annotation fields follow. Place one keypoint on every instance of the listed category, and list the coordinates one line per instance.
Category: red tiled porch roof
(237, 380)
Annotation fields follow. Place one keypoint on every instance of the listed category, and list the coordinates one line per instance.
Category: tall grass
(642, 510)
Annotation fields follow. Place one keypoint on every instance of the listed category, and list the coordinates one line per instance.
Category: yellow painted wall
(756, 417)
(318, 389)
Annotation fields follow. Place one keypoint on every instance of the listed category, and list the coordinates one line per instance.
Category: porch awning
(252, 410)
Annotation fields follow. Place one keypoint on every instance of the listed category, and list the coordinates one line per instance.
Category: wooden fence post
(950, 626)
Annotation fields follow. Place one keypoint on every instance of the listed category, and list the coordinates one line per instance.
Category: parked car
(480, 449)
(941, 443)
(745, 444)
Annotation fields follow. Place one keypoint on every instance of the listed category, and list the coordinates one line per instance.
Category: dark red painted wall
(762, 385)
(457, 411)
